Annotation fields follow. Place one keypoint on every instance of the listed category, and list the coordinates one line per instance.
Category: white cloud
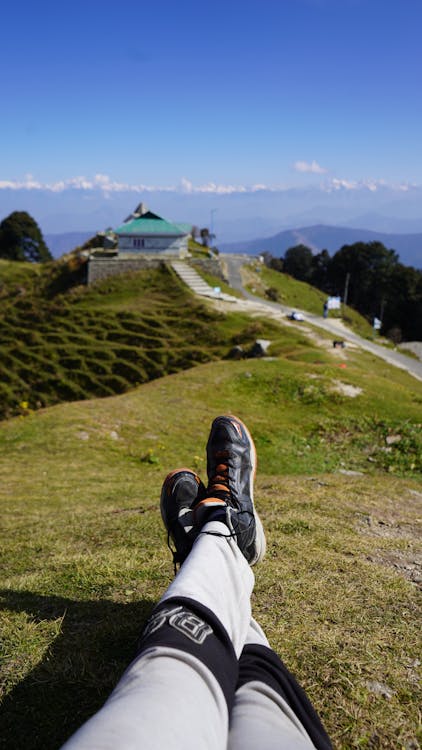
(98, 182)
(104, 184)
(336, 184)
(187, 186)
(28, 183)
(211, 187)
(310, 167)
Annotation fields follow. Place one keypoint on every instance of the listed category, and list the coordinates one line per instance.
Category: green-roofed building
(144, 232)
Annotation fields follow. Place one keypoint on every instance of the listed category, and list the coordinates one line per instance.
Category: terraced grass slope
(63, 341)
(97, 341)
(84, 555)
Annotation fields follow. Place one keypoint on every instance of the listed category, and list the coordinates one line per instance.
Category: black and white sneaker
(231, 466)
(181, 489)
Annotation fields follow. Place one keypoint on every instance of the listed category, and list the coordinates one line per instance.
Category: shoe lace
(177, 558)
(218, 484)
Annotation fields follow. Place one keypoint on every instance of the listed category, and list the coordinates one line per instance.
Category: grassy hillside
(339, 490)
(297, 294)
(83, 551)
(101, 340)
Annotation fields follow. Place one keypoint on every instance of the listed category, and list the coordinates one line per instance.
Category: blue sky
(276, 92)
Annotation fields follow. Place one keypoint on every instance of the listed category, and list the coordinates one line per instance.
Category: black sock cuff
(185, 625)
(260, 663)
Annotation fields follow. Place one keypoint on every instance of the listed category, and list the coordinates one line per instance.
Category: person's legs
(200, 653)
(179, 691)
(271, 711)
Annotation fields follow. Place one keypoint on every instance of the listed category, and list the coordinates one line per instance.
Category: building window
(138, 243)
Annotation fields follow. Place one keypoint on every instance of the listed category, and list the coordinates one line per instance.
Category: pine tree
(21, 239)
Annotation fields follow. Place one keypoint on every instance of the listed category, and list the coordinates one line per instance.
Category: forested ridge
(368, 277)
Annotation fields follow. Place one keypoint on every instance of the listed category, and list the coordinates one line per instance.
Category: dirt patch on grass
(346, 389)
(408, 564)
(405, 556)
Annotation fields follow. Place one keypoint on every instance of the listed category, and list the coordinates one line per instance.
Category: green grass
(358, 323)
(84, 557)
(97, 341)
(197, 249)
(12, 274)
(290, 291)
(214, 281)
(83, 552)
(299, 295)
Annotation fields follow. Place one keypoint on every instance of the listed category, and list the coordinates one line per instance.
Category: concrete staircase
(197, 284)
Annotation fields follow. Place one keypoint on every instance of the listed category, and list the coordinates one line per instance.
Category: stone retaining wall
(208, 265)
(101, 268)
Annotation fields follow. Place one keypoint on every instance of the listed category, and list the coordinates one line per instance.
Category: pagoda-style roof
(151, 224)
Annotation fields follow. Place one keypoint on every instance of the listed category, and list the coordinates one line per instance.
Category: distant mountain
(317, 237)
(331, 238)
(58, 244)
(238, 213)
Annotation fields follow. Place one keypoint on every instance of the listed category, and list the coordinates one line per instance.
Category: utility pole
(346, 288)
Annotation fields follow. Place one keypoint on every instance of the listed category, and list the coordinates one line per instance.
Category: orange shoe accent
(176, 471)
(221, 487)
(206, 500)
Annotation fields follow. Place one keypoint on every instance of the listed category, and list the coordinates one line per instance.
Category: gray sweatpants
(183, 689)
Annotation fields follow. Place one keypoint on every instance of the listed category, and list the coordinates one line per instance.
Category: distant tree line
(368, 277)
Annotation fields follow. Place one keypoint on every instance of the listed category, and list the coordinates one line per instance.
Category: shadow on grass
(77, 673)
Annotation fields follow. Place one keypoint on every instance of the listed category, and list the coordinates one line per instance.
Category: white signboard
(333, 303)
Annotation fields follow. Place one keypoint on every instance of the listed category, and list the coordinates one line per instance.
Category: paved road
(335, 327)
